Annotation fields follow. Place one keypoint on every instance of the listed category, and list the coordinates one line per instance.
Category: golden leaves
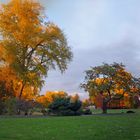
(21, 18)
(49, 97)
(32, 47)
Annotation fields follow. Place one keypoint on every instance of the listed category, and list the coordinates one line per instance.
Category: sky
(97, 31)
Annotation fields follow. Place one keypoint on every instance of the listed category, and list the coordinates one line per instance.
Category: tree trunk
(20, 95)
(21, 91)
(104, 107)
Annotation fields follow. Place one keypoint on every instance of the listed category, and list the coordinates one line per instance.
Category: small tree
(65, 106)
(110, 81)
(49, 97)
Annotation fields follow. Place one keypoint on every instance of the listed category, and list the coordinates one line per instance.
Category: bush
(64, 107)
(86, 111)
(130, 111)
(67, 112)
(25, 106)
(15, 106)
(75, 105)
(10, 105)
(44, 111)
(136, 102)
(2, 107)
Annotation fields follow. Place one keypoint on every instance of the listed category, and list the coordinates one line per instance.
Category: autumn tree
(30, 45)
(49, 97)
(86, 103)
(109, 81)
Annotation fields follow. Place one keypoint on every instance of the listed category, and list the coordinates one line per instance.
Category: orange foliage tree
(31, 45)
(109, 81)
(49, 97)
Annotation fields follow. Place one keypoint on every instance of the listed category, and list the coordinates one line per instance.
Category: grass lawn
(114, 111)
(96, 127)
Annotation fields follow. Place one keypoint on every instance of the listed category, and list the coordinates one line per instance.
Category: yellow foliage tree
(31, 45)
(109, 81)
(50, 96)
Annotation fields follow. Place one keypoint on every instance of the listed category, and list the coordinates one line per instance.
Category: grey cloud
(125, 51)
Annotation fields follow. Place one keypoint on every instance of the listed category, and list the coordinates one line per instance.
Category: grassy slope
(111, 127)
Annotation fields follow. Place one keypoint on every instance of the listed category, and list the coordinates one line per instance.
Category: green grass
(112, 111)
(97, 127)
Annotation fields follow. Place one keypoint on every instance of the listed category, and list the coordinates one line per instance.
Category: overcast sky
(97, 31)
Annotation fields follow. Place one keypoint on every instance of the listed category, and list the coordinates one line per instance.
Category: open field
(96, 127)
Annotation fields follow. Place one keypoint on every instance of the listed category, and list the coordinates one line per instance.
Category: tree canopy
(31, 46)
(110, 81)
